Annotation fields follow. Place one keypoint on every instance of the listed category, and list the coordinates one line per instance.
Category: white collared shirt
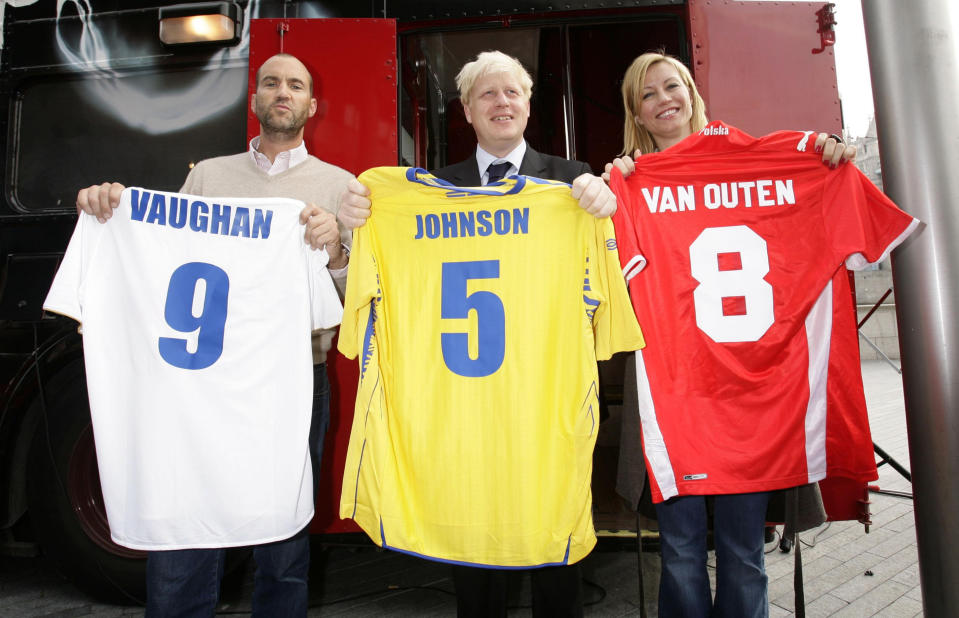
(283, 161)
(484, 159)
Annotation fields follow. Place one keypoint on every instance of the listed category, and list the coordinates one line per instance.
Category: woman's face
(665, 106)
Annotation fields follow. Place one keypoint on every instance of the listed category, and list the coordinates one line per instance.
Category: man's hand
(354, 207)
(594, 196)
(322, 232)
(100, 200)
(626, 165)
(834, 152)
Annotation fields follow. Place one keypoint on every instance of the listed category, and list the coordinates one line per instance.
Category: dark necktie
(497, 171)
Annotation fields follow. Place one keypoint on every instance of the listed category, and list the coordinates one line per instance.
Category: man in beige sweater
(181, 582)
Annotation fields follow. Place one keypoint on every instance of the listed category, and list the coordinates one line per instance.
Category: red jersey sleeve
(627, 243)
(865, 225)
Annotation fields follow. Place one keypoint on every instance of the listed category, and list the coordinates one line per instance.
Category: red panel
(754, 64)
(845, 499)
(353, 63)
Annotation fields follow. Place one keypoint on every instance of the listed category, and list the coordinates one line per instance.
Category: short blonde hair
(636, 136)
(491, 62)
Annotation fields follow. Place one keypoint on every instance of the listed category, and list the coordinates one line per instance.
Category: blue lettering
(157, 210)
(198, 216)
(485, 227)
(138, 204)
(419, 227)
(521, 221)
(501, 220)
(220, 219)
(261, 223)
(432, 226)
(241, 223)
(178, 212)
(467, 224)
(449, 224)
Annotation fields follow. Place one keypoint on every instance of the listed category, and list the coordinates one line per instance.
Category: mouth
(667, 114)
(501, 118)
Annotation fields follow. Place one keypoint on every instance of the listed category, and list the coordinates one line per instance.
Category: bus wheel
(66, 504)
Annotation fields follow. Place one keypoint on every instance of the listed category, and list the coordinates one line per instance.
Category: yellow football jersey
(478, 315)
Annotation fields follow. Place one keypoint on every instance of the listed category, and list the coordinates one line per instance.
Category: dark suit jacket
(466, 174)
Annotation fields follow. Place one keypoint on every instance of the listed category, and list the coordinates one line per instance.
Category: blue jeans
(320, 422)
(186, 582)
(738, 523)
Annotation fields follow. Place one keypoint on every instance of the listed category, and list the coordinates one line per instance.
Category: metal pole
(914, 58)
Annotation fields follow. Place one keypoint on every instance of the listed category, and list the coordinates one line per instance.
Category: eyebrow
(665, 81)
(292, 80)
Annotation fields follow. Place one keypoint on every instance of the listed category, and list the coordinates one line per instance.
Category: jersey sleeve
(863, 223)
(627, 241)
(361, 288)
(66, 293)
(614, 323)
(326, 311)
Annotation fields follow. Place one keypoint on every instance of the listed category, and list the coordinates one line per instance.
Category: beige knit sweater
(312, 181)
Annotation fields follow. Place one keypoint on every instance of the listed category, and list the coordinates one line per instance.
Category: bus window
(145, 128)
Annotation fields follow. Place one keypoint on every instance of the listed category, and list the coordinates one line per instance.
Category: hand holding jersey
(833, 152)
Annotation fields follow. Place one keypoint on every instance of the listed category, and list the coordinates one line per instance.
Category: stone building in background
(872, 284)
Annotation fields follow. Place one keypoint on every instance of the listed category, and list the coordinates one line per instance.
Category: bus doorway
(577, 66)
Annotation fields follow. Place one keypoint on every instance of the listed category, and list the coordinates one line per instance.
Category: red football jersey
(730, 245)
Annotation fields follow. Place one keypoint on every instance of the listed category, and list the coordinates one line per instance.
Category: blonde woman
(662, 107)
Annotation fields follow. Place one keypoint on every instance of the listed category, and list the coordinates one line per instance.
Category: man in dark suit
(495, 90)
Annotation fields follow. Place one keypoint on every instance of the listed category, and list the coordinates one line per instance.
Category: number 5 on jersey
(456, 304)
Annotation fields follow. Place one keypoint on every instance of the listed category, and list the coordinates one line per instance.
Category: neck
(272, 143)
(499, 150)
(664, 142)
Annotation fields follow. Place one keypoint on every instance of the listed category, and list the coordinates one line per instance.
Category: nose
(501, 98)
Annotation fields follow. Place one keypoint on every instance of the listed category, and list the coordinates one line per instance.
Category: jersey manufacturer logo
(714, 131)
(694, 477)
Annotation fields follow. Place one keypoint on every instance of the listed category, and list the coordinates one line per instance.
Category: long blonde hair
(636, 136)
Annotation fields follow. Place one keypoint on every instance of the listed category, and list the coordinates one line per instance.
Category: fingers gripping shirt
(478, 315)
(196, 317)
(730, 245)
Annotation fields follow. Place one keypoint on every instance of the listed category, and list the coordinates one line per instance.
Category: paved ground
(847, 572)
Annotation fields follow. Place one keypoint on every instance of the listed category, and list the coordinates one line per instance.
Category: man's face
(282, 102)
(498, 110)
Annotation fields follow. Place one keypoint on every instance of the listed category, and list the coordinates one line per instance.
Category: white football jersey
(196, 316)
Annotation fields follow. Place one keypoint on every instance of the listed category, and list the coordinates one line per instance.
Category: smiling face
(283, 101)
(498, 110)
(665, 107)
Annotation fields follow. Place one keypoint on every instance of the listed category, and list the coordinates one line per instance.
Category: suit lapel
(466, 174)
(533, 164)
